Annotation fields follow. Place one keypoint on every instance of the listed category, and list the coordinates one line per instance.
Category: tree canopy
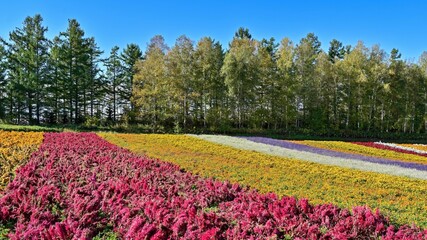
(253, 84)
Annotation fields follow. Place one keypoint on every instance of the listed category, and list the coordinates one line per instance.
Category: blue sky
(399, 24)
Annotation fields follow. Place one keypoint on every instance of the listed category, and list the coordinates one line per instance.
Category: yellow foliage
(404, 200)
(15, 150)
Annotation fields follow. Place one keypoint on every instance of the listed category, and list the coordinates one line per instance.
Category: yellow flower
(349, 147)
(415, 146)
(402, 199)
(15, 150)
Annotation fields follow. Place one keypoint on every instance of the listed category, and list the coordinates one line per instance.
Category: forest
(251, 84)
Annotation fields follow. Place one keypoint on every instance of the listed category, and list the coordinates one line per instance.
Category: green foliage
(92, 122)
(106, 234)
(240, 71)
(257, 85)
(3, 232)
(26, 55)
(25, 128)
(151, 88)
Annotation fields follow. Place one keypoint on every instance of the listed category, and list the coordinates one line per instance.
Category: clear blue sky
(399, 24)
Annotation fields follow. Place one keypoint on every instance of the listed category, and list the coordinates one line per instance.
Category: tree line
(62, 80)
(253, 84)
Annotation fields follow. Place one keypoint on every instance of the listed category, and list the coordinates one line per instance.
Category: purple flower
(330, 153)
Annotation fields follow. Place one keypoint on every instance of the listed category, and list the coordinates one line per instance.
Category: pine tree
(27, 53)
(130, 56)
(74, 48)
(306, 53)
(115, 77)
(94, 80)
(3, 83)
(56, 97)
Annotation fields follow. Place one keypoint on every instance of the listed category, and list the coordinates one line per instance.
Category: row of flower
(78, 186)
(15, 149)
(407, 148)
(393, 148)
(403, 199)
(371, 149)
(422, 147)
(358, 159)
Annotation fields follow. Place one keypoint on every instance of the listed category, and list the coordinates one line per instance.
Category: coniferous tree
(306, 54)
(27, 54)
(337, 51)
(95, 89)
(115, 78)
(3, 83)
(74, 53)
(56, 97)
(130, 56)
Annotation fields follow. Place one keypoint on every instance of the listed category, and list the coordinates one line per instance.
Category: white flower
(244, 144)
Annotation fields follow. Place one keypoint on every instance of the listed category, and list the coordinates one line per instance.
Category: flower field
(403, 199)
(421, 147)
(15, 149)
(368, 149)
(79, 186)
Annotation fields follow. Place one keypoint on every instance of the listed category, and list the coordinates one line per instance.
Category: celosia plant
(77, 185)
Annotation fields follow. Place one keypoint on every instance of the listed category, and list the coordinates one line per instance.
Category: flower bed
(78, 185)
(402, 147)
(422, 147)
(404, 200)
(15, 149)
(338, 154)
(392, 147)
(365, 149)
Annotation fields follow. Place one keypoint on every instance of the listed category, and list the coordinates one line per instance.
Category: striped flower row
(367, 149)
(418, 146)
(77, 186)
(391, 147)
(245, 144)
(337, 154)
(397, 146)
(402, 199)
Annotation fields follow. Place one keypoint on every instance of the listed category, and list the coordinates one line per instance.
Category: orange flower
(400, 198)
(15, 150)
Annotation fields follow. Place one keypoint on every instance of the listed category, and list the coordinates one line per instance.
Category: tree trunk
(30, 108)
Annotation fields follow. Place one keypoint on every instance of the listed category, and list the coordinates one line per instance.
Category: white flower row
(419, 144)
(244, 144)
(393, 145)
